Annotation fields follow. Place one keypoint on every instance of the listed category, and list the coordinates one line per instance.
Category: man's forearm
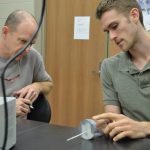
(44, 87)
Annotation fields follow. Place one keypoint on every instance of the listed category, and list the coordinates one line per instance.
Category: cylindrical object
(89, 127)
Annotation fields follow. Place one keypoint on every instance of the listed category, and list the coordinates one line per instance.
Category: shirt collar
(126, 65)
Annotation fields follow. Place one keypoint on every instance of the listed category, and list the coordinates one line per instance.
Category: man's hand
(30, 92)
(22, 106)
(121, 126)
(100, 123)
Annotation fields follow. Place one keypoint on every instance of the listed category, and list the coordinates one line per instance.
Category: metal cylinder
(88, 127)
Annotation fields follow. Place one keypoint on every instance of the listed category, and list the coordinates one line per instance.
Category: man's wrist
(37, 87)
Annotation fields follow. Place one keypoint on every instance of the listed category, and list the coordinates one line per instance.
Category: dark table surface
(32, 135)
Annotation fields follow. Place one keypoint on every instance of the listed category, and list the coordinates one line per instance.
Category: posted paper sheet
(81, 27)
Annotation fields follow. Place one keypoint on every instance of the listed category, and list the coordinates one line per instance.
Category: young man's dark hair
(122, 6)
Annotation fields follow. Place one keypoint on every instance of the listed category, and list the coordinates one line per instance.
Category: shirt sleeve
(110, 95)
(40, 74)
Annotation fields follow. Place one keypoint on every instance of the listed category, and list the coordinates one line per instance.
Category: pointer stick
(76, 136)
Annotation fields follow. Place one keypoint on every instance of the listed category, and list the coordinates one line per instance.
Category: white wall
(33, 6)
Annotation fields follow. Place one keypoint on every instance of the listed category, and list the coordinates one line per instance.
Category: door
(73, 64)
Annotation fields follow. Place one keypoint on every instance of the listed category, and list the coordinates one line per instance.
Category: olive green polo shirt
(126, 86)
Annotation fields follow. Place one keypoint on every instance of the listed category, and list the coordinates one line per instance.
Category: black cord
(3, 74)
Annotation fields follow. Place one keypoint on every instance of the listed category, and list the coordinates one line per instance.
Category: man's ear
(5, 31)
(134, 15)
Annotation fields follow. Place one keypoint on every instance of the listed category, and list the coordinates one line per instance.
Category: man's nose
(112, 35)
(28, 48)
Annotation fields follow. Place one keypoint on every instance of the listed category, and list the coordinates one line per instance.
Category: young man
(126, 76)
(26, 77)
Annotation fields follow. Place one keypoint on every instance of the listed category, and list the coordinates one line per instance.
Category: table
(33, 135)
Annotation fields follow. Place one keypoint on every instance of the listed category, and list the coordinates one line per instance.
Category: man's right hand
(101, 124)
(121, 126)
(22, 106)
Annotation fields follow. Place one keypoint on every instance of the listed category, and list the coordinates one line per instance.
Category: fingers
(116, 130)
(20, 94)
(21, 111)
(22, 106)
(24, 110)
(109, 116)
(32, 95)
(121, 135)
(101, 121)
(101, 124)
(121, 126)
(104, 119)
(116, 126)
(27, 94)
